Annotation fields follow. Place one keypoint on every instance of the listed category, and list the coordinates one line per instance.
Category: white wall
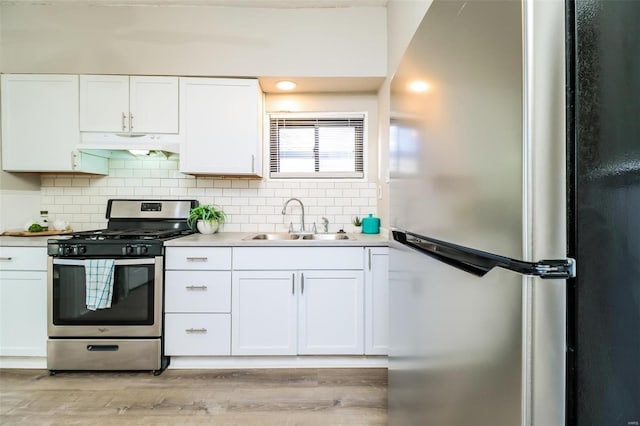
(403, 18)
(19, 192)
(208, 41)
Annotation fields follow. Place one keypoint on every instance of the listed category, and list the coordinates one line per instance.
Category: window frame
(321, 176)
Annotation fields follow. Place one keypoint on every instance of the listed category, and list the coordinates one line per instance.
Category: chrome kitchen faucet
(284, 211)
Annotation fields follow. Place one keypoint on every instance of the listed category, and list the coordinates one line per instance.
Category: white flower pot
(207, 227)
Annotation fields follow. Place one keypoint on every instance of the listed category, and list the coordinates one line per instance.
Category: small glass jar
(44, 219)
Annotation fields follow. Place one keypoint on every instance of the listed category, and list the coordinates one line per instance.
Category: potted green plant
(357, 223)
(206, 218)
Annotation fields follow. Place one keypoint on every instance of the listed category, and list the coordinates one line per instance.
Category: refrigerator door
(456, 351)
(477, 161)
(456, 173)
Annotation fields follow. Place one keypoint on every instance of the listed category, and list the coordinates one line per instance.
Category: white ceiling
(284, 4)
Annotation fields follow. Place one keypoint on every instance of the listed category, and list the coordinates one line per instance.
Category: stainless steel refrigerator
(515, 192)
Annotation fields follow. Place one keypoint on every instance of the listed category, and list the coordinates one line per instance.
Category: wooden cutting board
(35, 234)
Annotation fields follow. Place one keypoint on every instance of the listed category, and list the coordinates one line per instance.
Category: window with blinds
(316, 147)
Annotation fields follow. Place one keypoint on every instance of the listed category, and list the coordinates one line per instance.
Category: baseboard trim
(245, 362)
(27, 362)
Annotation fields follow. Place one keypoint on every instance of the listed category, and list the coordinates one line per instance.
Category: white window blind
(317, 147)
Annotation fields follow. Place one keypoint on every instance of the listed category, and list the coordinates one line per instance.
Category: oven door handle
(117, 262)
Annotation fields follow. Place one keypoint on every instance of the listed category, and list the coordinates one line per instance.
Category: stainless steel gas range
(105, 289)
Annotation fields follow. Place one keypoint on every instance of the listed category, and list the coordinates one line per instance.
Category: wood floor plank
(184, 397)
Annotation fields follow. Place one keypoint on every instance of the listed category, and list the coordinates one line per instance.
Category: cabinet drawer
(23, 258)
(197, 334)
(265, 258)
(198, 291)
(198, 258)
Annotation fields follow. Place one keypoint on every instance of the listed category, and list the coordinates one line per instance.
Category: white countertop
(238, 239)
(228, 239)
(26, 241)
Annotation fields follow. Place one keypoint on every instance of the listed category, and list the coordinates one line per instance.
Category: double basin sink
(283, 236)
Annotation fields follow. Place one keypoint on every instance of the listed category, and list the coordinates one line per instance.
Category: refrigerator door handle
(479, 262)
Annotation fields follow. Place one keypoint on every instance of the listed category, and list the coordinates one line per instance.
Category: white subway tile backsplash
(284, 192)
(251, 205)
(249, 227)
(240, 183)
(266, 227)
(142, 173)
(159, 173)
(63, 181)
(219, 183)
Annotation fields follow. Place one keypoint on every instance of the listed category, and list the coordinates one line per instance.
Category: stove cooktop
(128, 234)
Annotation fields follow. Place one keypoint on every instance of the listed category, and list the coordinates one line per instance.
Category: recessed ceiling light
(286, 85)
(419, 86)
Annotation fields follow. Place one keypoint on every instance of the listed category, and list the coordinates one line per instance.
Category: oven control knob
(82, 249)
(142, 249)
(127, 250)
(68, 250)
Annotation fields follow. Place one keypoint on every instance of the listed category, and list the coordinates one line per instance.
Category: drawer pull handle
(103, 348)
(197, 259)
(196, 287)
(196, 330)
(6, 258)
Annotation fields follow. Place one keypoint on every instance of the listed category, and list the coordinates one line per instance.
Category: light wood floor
(183, 397)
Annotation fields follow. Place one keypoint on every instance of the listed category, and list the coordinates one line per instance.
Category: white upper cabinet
(40, 128)
(221, 123)
(124, 104)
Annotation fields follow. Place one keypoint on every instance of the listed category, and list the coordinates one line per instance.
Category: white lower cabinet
(276, 301)
(376, 301)
(330, 313)
(198, 302)
(263, 313)
(281, 309)
(23, 301)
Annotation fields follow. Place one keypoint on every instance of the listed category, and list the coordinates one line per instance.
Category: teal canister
(370, 225)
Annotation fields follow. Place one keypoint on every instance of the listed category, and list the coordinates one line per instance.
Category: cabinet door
(104, 103)
(220, 121)
(376, 293)
(23, 313)
(263, 319)
(39, 122)
(153, 105)
(330, 313)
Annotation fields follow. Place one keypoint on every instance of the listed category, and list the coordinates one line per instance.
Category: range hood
(93, 141)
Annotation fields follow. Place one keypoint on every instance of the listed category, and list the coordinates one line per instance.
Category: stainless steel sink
(274, 237)
(289, 237)
(326, 237)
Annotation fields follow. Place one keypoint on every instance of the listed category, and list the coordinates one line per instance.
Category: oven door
(136, 305)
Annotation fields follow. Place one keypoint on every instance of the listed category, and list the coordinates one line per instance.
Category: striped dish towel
(99, 283)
